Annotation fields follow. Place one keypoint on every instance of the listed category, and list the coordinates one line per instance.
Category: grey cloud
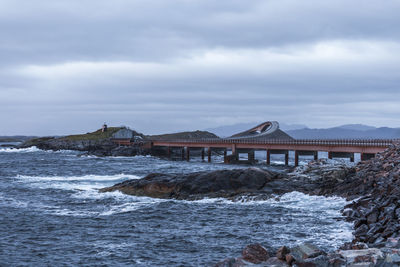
(158, 30)
(179, 65)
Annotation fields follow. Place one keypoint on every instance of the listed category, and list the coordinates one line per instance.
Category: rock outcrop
(224, 183)
(311, 256)
(374, 187)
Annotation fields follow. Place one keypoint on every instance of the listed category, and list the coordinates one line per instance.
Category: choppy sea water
(51, 214)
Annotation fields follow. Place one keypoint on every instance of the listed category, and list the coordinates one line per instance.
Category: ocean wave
(33, 149)
(20, 150)
(294, 199)
(126, 207)
(90, 177)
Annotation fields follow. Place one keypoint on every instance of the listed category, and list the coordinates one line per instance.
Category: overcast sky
(171, 65)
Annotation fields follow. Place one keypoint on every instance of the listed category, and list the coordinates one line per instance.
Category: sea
(52, 214)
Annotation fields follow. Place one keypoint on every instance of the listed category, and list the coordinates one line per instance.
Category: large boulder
(368, 256)
(305, 251)
(255, 253)
(223, 183)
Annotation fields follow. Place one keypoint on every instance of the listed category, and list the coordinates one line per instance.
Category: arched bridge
(268, 137)
(336, 148)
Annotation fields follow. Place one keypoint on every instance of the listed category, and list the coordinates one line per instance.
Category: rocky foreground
(232, 184)
(374, 187)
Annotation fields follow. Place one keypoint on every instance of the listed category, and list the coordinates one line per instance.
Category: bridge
(268, 137)
(340, 148)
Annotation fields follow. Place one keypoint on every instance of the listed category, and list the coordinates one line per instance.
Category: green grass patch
(97, 135)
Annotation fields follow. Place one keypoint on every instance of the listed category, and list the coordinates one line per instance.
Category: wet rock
(275, 262)
(336, 260)
(282, 252)
(223, 183)
(393, 242)
(373, 217)
(255, 253)
(289, 259)
(371, 255)
(319, 261)
(397, 212)
(354, 246)
(363, 229)
(392, 258)
(305, 251)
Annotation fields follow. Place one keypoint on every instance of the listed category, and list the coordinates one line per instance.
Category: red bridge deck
(335, 148)
(337, 145)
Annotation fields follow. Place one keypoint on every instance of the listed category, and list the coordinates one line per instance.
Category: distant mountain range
(299, 131)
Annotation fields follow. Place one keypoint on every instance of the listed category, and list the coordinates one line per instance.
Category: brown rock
(282, 252)
(289, 259)
(255, 253)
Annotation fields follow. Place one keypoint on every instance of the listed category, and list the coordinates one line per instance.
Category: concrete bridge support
(188, 153)
(209, 154)
(202, 154)
(348, 155)
(251, 156)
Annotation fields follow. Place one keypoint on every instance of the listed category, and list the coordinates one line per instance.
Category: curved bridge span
(268, 137)
(338, 148)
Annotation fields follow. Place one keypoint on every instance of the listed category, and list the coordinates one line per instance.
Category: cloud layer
(162, 66)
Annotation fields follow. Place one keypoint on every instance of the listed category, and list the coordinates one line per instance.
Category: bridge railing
(326, 142)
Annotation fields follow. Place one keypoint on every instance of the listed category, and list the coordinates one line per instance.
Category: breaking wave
(20, 150)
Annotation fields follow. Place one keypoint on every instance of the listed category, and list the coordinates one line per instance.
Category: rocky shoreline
(373, 186)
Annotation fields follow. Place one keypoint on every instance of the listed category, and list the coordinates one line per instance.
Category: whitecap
(20, 150)
(90, 177)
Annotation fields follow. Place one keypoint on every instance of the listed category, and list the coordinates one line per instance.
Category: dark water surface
(52, 215)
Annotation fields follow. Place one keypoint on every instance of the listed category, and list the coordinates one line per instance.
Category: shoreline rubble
(374, 188)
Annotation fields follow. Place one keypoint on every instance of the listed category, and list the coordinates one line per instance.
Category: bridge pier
(367, 156)
(251, 156)
(169, 152)
(183, 153)
(287, 158)
(202, 154)
(209, 154)
(268, 161)
(187, 153)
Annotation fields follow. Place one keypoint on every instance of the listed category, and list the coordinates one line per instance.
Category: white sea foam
(20, 150)
(90, 177)
(31, 150)
(295, 200)
(126, 207)
(85, 187)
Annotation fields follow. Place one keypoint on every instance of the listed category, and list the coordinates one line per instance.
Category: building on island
(125, 136)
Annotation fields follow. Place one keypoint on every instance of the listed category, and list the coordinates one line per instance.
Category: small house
(124, 136)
